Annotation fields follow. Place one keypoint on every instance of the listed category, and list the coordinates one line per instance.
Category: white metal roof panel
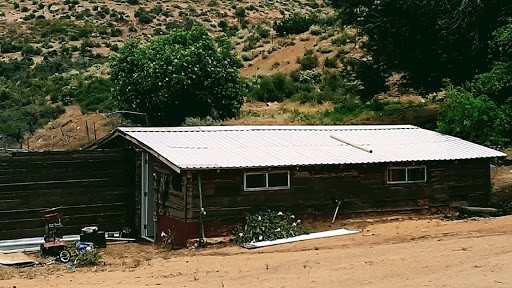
(214, 147)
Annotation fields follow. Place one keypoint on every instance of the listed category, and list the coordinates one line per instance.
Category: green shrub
(248, 56)
(331, 62)
(267, 226)
(230, 31)
(240, 12)
(275, 87)
(116, 32)
(87, 258)
(29, 17)
(263, 31)
(10, 46)
(30, 50)
(293, 25)
(315, 30)
(46, 45)
(26, 118)
(308, 62)
(144, 16)
(90, 44)
(343, 39)
(114, 48)
(251, 7)
(14, 69)
(133, 2)
(198, 121)
(324, 49)
(312, 4)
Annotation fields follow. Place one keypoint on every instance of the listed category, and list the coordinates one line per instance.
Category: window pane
(255, 181)
(278, 179)
(416, 174)
(396, 175)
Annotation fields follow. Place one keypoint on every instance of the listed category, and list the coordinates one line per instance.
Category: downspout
(202, 237)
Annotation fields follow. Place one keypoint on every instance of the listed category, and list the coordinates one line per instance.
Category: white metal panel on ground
(317, 235)
(214, 147)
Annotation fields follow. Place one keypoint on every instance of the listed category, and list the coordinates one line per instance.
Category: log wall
(93, 187)
(360, 188)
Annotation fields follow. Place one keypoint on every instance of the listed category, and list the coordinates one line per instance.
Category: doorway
(147, 199)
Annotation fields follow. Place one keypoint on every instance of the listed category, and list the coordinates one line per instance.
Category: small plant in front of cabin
(267, 226)
(169, 240)
(87, 258)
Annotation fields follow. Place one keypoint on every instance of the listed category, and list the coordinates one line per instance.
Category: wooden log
(477, 211)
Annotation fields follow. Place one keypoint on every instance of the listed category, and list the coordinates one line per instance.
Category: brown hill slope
(70, 130)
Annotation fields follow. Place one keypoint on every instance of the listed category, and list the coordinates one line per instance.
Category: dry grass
(277, 113)
(74, 133)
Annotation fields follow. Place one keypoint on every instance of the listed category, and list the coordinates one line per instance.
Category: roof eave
(118, 132)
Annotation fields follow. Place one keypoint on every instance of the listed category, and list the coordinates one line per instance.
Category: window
(407, 174)
(266, 181)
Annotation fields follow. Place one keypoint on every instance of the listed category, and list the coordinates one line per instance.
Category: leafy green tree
(476, 119)
(184, 74)
(480, 110)
(427, 40)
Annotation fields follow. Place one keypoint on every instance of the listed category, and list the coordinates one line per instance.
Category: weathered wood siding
(361, 188)
(170, 196)
(93, 187)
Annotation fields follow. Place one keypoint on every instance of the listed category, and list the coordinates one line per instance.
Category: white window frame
(406, 174)
(266, 181)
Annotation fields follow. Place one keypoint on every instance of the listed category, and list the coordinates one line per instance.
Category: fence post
(87, 129)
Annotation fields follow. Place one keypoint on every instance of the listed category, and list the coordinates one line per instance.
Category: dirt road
(402, 253)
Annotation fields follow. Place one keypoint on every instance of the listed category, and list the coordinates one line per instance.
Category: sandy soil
(404, 252)
(287, 56)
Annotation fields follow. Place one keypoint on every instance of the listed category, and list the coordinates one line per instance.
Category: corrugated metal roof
(214, 147)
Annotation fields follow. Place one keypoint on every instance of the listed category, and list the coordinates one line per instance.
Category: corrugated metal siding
(263, 146)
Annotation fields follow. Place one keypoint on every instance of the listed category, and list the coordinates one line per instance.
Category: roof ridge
(247, 128)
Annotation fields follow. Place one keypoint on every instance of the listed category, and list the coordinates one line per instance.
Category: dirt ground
(400, 251)
(70, 130)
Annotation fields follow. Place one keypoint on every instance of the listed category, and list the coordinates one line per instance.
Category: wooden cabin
(229, 171)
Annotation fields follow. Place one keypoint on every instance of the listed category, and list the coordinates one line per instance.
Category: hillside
(54, 71)
(56, 53)
(103, 25)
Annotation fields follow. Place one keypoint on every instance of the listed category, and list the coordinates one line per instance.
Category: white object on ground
(316, 235)
(16, 259)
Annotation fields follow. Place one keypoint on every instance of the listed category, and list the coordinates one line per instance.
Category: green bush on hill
(275, 87)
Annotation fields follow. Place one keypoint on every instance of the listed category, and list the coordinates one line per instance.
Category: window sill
(266, 189)
(408, 182)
